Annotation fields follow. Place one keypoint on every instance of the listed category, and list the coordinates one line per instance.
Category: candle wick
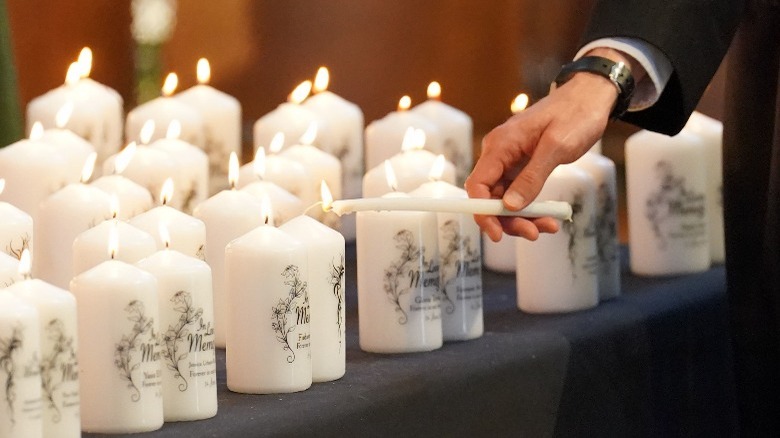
(316, 204)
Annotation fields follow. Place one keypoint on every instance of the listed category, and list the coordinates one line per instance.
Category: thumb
(528, 183)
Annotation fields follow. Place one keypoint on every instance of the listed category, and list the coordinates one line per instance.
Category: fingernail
(513, 200)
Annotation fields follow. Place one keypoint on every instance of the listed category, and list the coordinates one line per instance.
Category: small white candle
(16, 228)
(193, 163)
(189, 371)
(285, 205)
(668, 226)
(228, 215)
(384, 135)
(9, 270)
(500, 256)
(268, 335)
(280, 170)
(221, 114)
(131, 197)
(558, 272)
(164, 110)
(118, 323)
(325, 249)
(148, 167)
(75, 149)
(20, 350)
(456, 129)
(59, 369)
(89, 247)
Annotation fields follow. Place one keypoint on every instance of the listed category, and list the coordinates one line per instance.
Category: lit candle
(221, 114)
(666, 185)
(280, 170)
(9, 270)
(558, 272)
(290, 118)
(189, 371)
(20, 350)
(384, 135)
(325, 249)
(460, 262)
(411, 167)
(164, 110)
(268, 345)
(193, 163)
(228, 215)
(75, 149)
(118, 322)
(59, 369)
(62, 217)
(456, 129)
(188, 234)
(132, 198)
(16, 228)
(285, 205)
(97, 114)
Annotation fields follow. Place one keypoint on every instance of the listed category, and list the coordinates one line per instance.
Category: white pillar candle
(558, 272)
(344, 139)
(398, 281)
(325, 250)
(188, 234)
(131, 197)
(97, 113)
(456, 129)
(384, 135)
(268, 335)
(59, 369)
(711, 133)
(285, 205)
(62, 217)
(667, 204)
(20, 377)
(189, 365)
(228, 215)
(604, 175)
(118, 325)
(460, 266)
(500, 256)
(221, 114)
(193, 163)
(89, 247)
(32, 171)
(75, 149)
(164, 110)
(9, 270)
(280, 170)
(16, 228)
(148, 167)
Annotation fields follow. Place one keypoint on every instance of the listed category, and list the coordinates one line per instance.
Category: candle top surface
(265, 239)
(440, 112)
(170, 260)
(8, 262)
(229, 202)
(205, 95)
(15, 307)
(167, 214)
(114, 274)
(84, 194)
(10, 213)
(120, 184)
(127, 233)
(306, 229)
(35, 289)
(439, 189)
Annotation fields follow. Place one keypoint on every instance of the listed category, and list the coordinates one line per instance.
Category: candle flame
(300, 93)
(310, 135)
(404, 103)
(114, 206)
(233, 171)
(166, 193)
(25, 264)
(437, 169)
(170, 84)
(434, 90)
(63, 115)
(326, 196)
(267, 210)
(85, 62)
(74, 74)
(123, 158)
(174, 130)
(277, 143)
(36, 132)
(147, 132)
(113, 241)
(414, 139)
(321, 80)
(89, 167)
(2, 185)
(165, 235)
(204, 71)
(519, 103)
(258, 165)
(392, 181)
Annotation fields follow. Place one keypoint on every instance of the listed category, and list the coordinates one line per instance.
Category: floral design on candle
(337, 281)
(8, 348)
(453, 268)
(16, 250)
(606, 225)
(141, 340)
(60, 366)
(674, 199)
(175, 335)
(292, 307)
(579, 227)
(402, 269)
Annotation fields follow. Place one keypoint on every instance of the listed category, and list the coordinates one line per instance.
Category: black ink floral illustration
(54, 364)
(9, 347)
(570, 227)
(129, 344)
(337, 281)
(16, 250)
(671, 199)
(282, 318)
(201, 253)
(606, 225)
(173, 338)
(395, 273)
(449, 258)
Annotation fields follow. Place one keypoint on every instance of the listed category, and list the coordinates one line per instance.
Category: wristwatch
(617, 72)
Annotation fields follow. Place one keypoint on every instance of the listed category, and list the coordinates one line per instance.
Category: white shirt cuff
(655, 63)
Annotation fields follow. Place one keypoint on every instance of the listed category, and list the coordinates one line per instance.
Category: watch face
(617, 71)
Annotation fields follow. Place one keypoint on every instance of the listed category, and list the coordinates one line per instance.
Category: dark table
(652, 362)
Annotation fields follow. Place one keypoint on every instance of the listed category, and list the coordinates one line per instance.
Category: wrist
(637, 70)
(604, 71)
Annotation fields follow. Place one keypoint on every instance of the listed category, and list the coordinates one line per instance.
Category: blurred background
(483, 53)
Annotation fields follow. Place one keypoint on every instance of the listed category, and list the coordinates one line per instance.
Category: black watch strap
(617, 72)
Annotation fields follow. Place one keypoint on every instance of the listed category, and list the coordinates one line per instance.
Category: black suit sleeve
(693, 34)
